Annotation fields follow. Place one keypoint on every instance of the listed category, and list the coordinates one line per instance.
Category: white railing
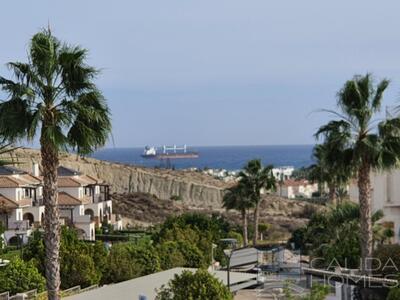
(82, 219)
(19, 225)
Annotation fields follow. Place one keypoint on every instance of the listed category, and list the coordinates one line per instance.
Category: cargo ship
(169, 152)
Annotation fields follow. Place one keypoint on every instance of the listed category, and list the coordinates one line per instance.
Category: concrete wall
(385, 190)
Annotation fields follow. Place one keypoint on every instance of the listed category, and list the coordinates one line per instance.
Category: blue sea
(218, 157)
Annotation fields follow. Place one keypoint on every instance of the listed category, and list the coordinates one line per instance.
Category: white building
(84, 202)
(282, 172)
(296, 188)
(385, 196)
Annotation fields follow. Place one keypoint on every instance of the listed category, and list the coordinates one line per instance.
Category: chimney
(35, 169)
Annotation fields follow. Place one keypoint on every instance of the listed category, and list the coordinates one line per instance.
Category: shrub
(199, 285)
(76, 259)
(78, 268)
(394, 294)
(387, 260)
(170, 255)
(176, 198)
(19, 276)
(127, 261)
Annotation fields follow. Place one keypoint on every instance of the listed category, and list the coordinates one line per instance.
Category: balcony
(83, 219)
(25, 202)
(20, 225)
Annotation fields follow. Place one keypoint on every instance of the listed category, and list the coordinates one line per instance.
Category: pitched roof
(8, 182)
(7, 203)
(64, 171)
(68, 182)
(9, 170)
(291, 182)
(65, 199)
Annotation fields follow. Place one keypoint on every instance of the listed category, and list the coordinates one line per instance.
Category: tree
(334, 235)
(394, 294)
(255, 178)
(81, 263)
(54, 96)
(170, 255)
(199, 285)
(329, 167)
(20, 276)
(369, 144)
(78, 268)
(128, 260)
(236, 198)
(387, 261)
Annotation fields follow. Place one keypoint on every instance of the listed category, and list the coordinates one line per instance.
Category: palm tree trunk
(244, 220)
(50, 164)
(256, 216)
(364, 187)
(332, 195)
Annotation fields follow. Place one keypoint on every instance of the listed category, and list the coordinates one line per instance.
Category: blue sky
(217, 72)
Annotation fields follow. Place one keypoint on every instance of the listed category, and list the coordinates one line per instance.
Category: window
(27, 193)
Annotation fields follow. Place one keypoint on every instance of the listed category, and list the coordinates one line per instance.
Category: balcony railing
(19, 225)
(25, 202)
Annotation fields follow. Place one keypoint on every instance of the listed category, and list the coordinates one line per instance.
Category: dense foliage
(332, 237)
(394, 294)
(387, 261)
(181, 241)
(80, 261)
(191, 286)
(194, 233)
(20, 276)
(368, 143)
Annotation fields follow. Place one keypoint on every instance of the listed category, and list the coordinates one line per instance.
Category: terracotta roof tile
(68, 200)
(291, 182)
(7, 203)
(68, 182)
(7, 182)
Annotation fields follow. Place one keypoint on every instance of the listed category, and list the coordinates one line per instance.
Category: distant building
(385, 192)
(282, 172)
(84, 202)
(296, 189)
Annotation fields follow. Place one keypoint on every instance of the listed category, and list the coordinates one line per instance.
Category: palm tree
(236, 198)
(255, 178)
(53, 96)
(329, 168)
(370, 144)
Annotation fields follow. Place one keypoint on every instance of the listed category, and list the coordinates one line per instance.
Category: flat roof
(146, 285)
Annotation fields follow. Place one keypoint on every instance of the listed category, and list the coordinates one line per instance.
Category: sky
(213, 72)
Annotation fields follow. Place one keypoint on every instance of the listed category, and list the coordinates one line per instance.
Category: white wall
(385, 192)
(76, 192)
(10, 193)
(89, 230)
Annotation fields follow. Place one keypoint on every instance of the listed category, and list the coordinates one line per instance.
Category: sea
(217, 157)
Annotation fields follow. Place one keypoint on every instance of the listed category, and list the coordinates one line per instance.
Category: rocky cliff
(194, 188)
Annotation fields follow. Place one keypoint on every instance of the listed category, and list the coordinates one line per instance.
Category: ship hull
(171, 155)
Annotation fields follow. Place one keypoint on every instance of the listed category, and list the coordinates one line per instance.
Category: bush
(19, 276)
(127, 261)
(394, 294)
(199, 285)
(176, 198)
(170, 255)
(119, 265)
(194, 258)
(77, 266)
(387, 260)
